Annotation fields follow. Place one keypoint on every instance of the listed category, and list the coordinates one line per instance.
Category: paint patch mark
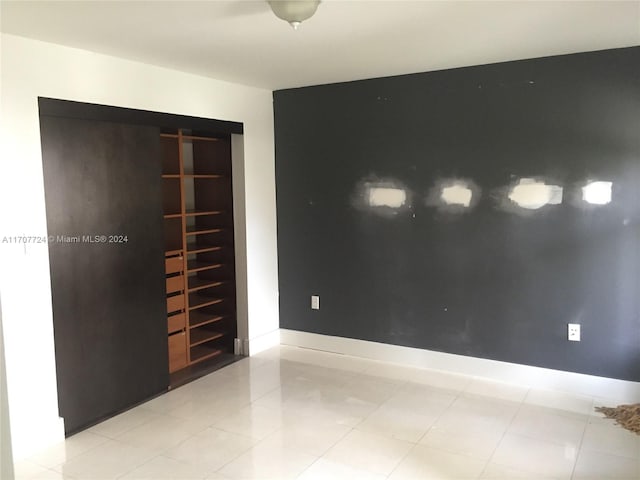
(597, 193)
(453, 195)
(533, 194)
(457, 195)
(386, 197)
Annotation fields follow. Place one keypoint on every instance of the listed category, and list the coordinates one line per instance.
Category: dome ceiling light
(294, 11)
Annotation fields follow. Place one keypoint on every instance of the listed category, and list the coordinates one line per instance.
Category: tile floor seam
(536, 438)
(118, 477)
(53, 467)
(136, 465)
(401, 460)
(234, 458)
(160, 451)
(535, 472)
(579, 449)
(90, 429)
(308, 467)
(415, 444)
(513, 418)
(438, 417)
(351, 429)
(486, 464)
(264, 394)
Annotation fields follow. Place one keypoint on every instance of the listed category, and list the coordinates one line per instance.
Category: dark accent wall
(492, 280)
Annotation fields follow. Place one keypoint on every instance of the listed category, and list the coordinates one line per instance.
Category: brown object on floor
(627, 416)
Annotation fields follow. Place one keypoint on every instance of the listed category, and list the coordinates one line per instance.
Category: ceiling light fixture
(294, 11)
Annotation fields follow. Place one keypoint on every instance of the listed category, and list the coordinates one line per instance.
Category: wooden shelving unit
(198, 212)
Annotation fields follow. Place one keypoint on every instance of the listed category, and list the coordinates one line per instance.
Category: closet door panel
(104, 216)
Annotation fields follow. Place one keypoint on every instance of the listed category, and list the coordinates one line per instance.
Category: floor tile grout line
(308, 467)
(515, 415)
(579, 449)
(126, 430)
(32, 458)
(397, 465)
(536, 438)
(438, 417)
(462, 394)
(380, 405)
(234, 459)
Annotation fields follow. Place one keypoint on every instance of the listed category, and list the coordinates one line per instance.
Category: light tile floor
(297, 413)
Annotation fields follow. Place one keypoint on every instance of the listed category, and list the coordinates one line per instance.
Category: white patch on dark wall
(534, 194)
(528, 195)
(597, 193)
(457, 195)
(593, 194)
(387, 197)
(453, 195)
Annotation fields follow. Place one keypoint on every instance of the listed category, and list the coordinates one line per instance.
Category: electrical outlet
(315, 302)
(573, 332)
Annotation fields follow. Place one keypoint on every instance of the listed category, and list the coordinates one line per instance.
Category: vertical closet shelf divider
(183, 211)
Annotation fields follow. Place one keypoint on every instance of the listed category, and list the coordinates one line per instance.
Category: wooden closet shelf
(196, 230)
(197, 300)
(172, 253)
(203, 352)
(173, 215)
(203, 175)
(198, 318)
(198, 266)
(203, 139)
(201, 248)
(203, 335)
(171, 175)
(196, 283)
(195, 213)
(169, 135)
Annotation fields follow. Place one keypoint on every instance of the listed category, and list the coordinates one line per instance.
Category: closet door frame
(93, 112)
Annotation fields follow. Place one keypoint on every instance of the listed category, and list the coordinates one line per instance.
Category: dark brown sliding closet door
(105, 220)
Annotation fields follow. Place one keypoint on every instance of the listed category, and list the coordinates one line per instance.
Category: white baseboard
(525, 375)
(262, 342)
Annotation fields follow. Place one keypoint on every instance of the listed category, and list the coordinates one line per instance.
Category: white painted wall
(6, 457)
(30, 69)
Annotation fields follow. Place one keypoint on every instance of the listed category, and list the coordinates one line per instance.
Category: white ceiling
(242, 41)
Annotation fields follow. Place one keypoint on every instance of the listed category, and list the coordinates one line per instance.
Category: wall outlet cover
(573, 332)
(315, 302)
